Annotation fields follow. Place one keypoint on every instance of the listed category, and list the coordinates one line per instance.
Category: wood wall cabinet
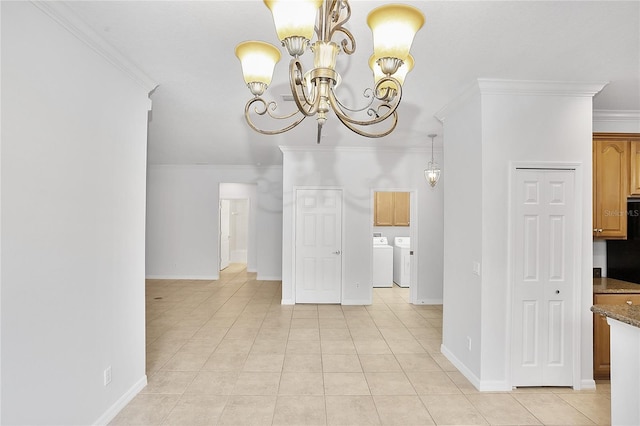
(601, 346)
(610, 186)
(391, 209)
(634, 167)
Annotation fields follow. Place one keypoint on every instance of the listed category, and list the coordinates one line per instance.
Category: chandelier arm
(389, 98)
(307, 106)
(338, 21)
(355, 129)
(376, 112)
(266, 108)
(368, 93)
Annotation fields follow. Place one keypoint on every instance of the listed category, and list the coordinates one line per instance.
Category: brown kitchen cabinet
(634, 167)
(610, 186)
(391, 209)
(601, 347)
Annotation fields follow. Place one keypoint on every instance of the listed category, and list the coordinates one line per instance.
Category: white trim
(429, 302)
(287, 302)
(69, 20)
(361, 149)
(126, 398)
(269, 278)
(475, 380)
(616, 115)
(229, 167)
(351, 302)
(587, 384)
(183, 277)
(490, 86)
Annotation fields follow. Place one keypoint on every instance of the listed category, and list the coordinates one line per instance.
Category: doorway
(394, 216)
(234, 231)
(318, 246)
(237, 225)
(543, 270)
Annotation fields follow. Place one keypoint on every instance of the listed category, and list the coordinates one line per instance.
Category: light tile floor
(227, 352)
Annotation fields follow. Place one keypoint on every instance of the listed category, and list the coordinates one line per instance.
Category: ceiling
(187, 47)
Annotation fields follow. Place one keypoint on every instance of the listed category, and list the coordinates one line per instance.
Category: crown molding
(616, 115)
(69, 20)
(358, 149)
(489, 86)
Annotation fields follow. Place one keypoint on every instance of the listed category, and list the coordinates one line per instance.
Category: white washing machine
(402, 261)
(382, 263)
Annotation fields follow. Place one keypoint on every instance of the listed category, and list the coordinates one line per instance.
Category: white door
(542, 327)
(318, 246)
(225, 213)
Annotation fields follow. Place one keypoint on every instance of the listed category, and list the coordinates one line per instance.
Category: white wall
(463, 234)
(74, 130)
(359, 172)
(183, 219)
(521, 121)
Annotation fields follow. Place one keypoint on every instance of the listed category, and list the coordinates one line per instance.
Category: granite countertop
(611, 285)
(629, 314)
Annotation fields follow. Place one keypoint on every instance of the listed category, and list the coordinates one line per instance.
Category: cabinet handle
(629, 302)
(600, 230)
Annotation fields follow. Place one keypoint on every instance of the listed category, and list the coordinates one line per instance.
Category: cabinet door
(401, 215)
(634, 169)
(383, 209)
(601, 336)
(610, 188)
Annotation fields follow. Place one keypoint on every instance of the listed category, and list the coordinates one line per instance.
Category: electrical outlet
(107, 375)
(468, 342)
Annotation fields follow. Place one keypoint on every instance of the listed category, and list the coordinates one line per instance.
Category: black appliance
(623, 256)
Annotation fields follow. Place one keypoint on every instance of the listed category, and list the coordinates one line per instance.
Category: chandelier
(313, 91)
(432, 172)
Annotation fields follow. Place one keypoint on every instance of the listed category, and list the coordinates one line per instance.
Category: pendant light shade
(394, 26)
(294, 18)
(258, 60)
(432, 172)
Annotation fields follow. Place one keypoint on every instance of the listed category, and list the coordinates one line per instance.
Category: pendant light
(432, 172)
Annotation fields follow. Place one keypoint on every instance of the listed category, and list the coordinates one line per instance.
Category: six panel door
(543, 278)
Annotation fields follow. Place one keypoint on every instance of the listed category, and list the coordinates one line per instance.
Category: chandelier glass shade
(313, 91)
(432, 172)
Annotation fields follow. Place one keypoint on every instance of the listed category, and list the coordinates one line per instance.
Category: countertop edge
(623, 313)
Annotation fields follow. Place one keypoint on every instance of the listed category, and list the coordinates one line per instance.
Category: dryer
(382, 274)
(402, 261)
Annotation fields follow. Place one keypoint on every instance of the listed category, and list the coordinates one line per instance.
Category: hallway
(227, 352)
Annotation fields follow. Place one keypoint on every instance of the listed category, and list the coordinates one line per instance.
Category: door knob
(557, 291)
(336, 252)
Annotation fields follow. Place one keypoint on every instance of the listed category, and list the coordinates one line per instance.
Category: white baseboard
(429, 302)
(475, 381)
(587, 384)
(268, 278)
(481, 385)
(350, 302)
(183, 277)
(113, 411)
(288, 302)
